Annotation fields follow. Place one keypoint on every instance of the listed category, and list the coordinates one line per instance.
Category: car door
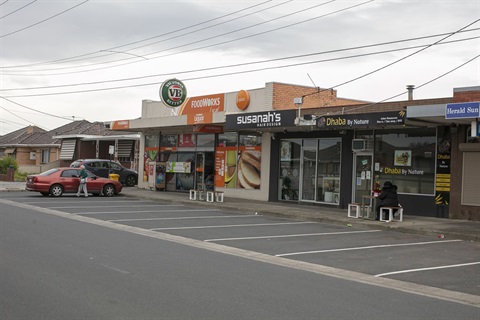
(70, 180)
(98, 168)
(94, 185)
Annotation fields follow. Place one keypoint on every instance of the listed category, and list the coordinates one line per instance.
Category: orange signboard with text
(200, 109)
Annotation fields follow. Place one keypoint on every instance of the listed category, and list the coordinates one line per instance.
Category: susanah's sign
(268, 119)
(361, 120)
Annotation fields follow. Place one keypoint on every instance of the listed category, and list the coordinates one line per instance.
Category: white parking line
(426, 269)
(185, 218)
(231, 226)
(75, 199)
(157, 211)
(363, 248)
(291, 235)
(135, 206)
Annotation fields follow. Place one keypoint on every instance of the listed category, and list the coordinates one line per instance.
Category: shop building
(305, 145)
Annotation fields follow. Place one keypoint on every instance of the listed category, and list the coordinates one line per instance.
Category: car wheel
(56, 190)
(45, 194)
(130, 181)
(109, 190)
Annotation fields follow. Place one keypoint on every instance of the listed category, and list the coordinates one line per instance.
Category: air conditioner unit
(361, 145)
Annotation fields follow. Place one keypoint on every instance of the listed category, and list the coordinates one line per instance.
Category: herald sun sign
(173, 93)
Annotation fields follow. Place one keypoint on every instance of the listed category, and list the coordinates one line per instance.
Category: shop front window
(289, 181)
(407, 159)
(310, 170)
(328, 181)
(152, 144)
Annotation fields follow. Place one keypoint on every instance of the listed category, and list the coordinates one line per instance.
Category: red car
(66, 180)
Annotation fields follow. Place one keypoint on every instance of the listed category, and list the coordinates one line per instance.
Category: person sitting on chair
(388, 198)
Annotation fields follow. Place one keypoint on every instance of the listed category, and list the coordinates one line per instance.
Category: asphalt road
(119, 258)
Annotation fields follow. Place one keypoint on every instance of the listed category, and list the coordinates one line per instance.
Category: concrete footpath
(447, 228)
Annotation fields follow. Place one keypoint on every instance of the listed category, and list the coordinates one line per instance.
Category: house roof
(21, 136)
(33, 135)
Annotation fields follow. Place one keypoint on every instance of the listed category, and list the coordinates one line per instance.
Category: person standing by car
(83, 181)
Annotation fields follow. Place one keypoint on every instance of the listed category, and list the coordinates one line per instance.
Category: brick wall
(283, 95)
(22, 155)
(466, 95)
(9, 176)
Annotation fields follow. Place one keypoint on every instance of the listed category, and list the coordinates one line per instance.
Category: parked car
(58, 181)
(103, 168)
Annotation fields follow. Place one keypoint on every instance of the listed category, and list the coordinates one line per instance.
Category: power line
(44, 20)
(402, 93)
(396, 61)
(46, 113)
(210, 38)
(135, 42)
(216, 75)
(262, 61)
(30, 3)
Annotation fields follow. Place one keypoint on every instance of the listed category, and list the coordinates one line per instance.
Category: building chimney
(410, 88)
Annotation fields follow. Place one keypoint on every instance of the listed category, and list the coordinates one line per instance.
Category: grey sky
(269, 30)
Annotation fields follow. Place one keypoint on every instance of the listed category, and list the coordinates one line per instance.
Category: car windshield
(48, 172)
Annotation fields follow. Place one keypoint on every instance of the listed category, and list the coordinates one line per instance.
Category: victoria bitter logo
(173, 93)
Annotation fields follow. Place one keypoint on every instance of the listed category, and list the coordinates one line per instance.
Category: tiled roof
(33, 135)
(21, 136)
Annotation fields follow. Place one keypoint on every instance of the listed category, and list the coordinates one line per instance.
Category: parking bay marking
(230, 226)
(136, 206)
(291, 235)
(185, 218)
(427, 269)
(411, 288)
(79, 200)
(364, 248)
(146, 211)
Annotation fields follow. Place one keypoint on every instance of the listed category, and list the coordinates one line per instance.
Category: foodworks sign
(173, 93)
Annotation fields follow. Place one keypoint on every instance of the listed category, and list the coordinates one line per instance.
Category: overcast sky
(98, 59)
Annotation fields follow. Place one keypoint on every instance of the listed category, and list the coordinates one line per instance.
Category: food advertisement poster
(238, 168)
(403, 158)
(150, 155)
(226, 167)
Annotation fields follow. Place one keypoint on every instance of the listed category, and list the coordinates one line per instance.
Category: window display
(407, 159)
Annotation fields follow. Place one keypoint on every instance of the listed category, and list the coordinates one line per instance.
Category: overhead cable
(44, 20)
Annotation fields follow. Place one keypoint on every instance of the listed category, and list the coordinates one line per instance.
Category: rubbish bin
(114, 176)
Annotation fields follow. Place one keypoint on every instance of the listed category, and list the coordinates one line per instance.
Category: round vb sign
(173, 93)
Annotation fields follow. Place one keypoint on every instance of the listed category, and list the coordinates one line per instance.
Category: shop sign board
(205, 128)
(256, 120)
(361, 120)
(462, 110)
(120, 125)
(173, 93)
(200, 109)
(203, 104)
(443, 170)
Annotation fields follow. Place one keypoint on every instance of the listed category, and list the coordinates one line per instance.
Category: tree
(7, 162)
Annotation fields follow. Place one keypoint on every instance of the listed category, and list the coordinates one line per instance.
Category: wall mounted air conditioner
(361, 145)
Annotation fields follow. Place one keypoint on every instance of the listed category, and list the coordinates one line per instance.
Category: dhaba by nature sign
(361, 120)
